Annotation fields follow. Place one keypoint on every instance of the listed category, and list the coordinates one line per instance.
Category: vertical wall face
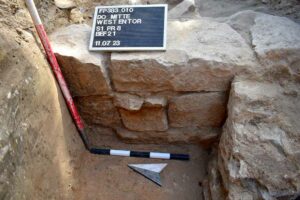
(258, 154)
(178, 95)
(38, 141)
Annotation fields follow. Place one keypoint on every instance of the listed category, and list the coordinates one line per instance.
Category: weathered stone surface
(213, 188)
(98, 110)
(277, 43)
(201, 55)
(146, 119)
(205, 190)
(128, 101)
(76, 16)
(215, 182)
(198, 109)
(182, 8)
(84, 71)
(65, 3)
(259, 149)
(155, 101)
(242, 22)
(189, 135)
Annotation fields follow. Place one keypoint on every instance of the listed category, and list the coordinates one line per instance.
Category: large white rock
(277, 43)
(201, 55)
(275, 40)
(198, 109)
(242, 22)
(259, 152)
(84, 71)
(65, 4)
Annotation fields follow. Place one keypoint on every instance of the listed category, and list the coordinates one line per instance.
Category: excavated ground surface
(108, 177)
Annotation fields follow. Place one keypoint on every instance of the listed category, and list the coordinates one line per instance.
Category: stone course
(180, 95)
(181, 91)
(202, 55)
(199, 109)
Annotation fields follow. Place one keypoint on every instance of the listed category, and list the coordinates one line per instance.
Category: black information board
(129, 27)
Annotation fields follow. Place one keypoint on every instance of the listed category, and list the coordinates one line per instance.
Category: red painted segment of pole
(59, 77)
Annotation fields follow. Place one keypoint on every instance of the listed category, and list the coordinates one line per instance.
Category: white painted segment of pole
(160, 155)
(119, 152)
(33, 12)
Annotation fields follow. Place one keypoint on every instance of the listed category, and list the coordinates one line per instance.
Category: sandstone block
(259, 149)
(84, 71)
(128, 101)
(98, 110)
(146, 119)
(277, 43)
(188, 135)
(154, 101)
(199, 109)
(201, 55)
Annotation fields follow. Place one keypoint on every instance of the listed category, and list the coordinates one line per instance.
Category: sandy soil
(109, 178)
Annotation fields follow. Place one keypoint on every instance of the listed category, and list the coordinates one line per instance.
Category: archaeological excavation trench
(226, 92)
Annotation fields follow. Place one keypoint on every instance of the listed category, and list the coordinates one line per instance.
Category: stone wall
(179, 95)
(258, 154)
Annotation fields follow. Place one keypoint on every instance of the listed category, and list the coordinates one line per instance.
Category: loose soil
(109, 177)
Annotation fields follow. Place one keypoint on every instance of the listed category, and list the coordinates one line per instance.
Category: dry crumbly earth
(41, 155)
(105, 177)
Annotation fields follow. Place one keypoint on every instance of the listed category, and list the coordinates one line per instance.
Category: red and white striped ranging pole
(70, 103)
(56, 69)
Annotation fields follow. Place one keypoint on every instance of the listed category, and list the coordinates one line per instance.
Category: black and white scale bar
(159, 155)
